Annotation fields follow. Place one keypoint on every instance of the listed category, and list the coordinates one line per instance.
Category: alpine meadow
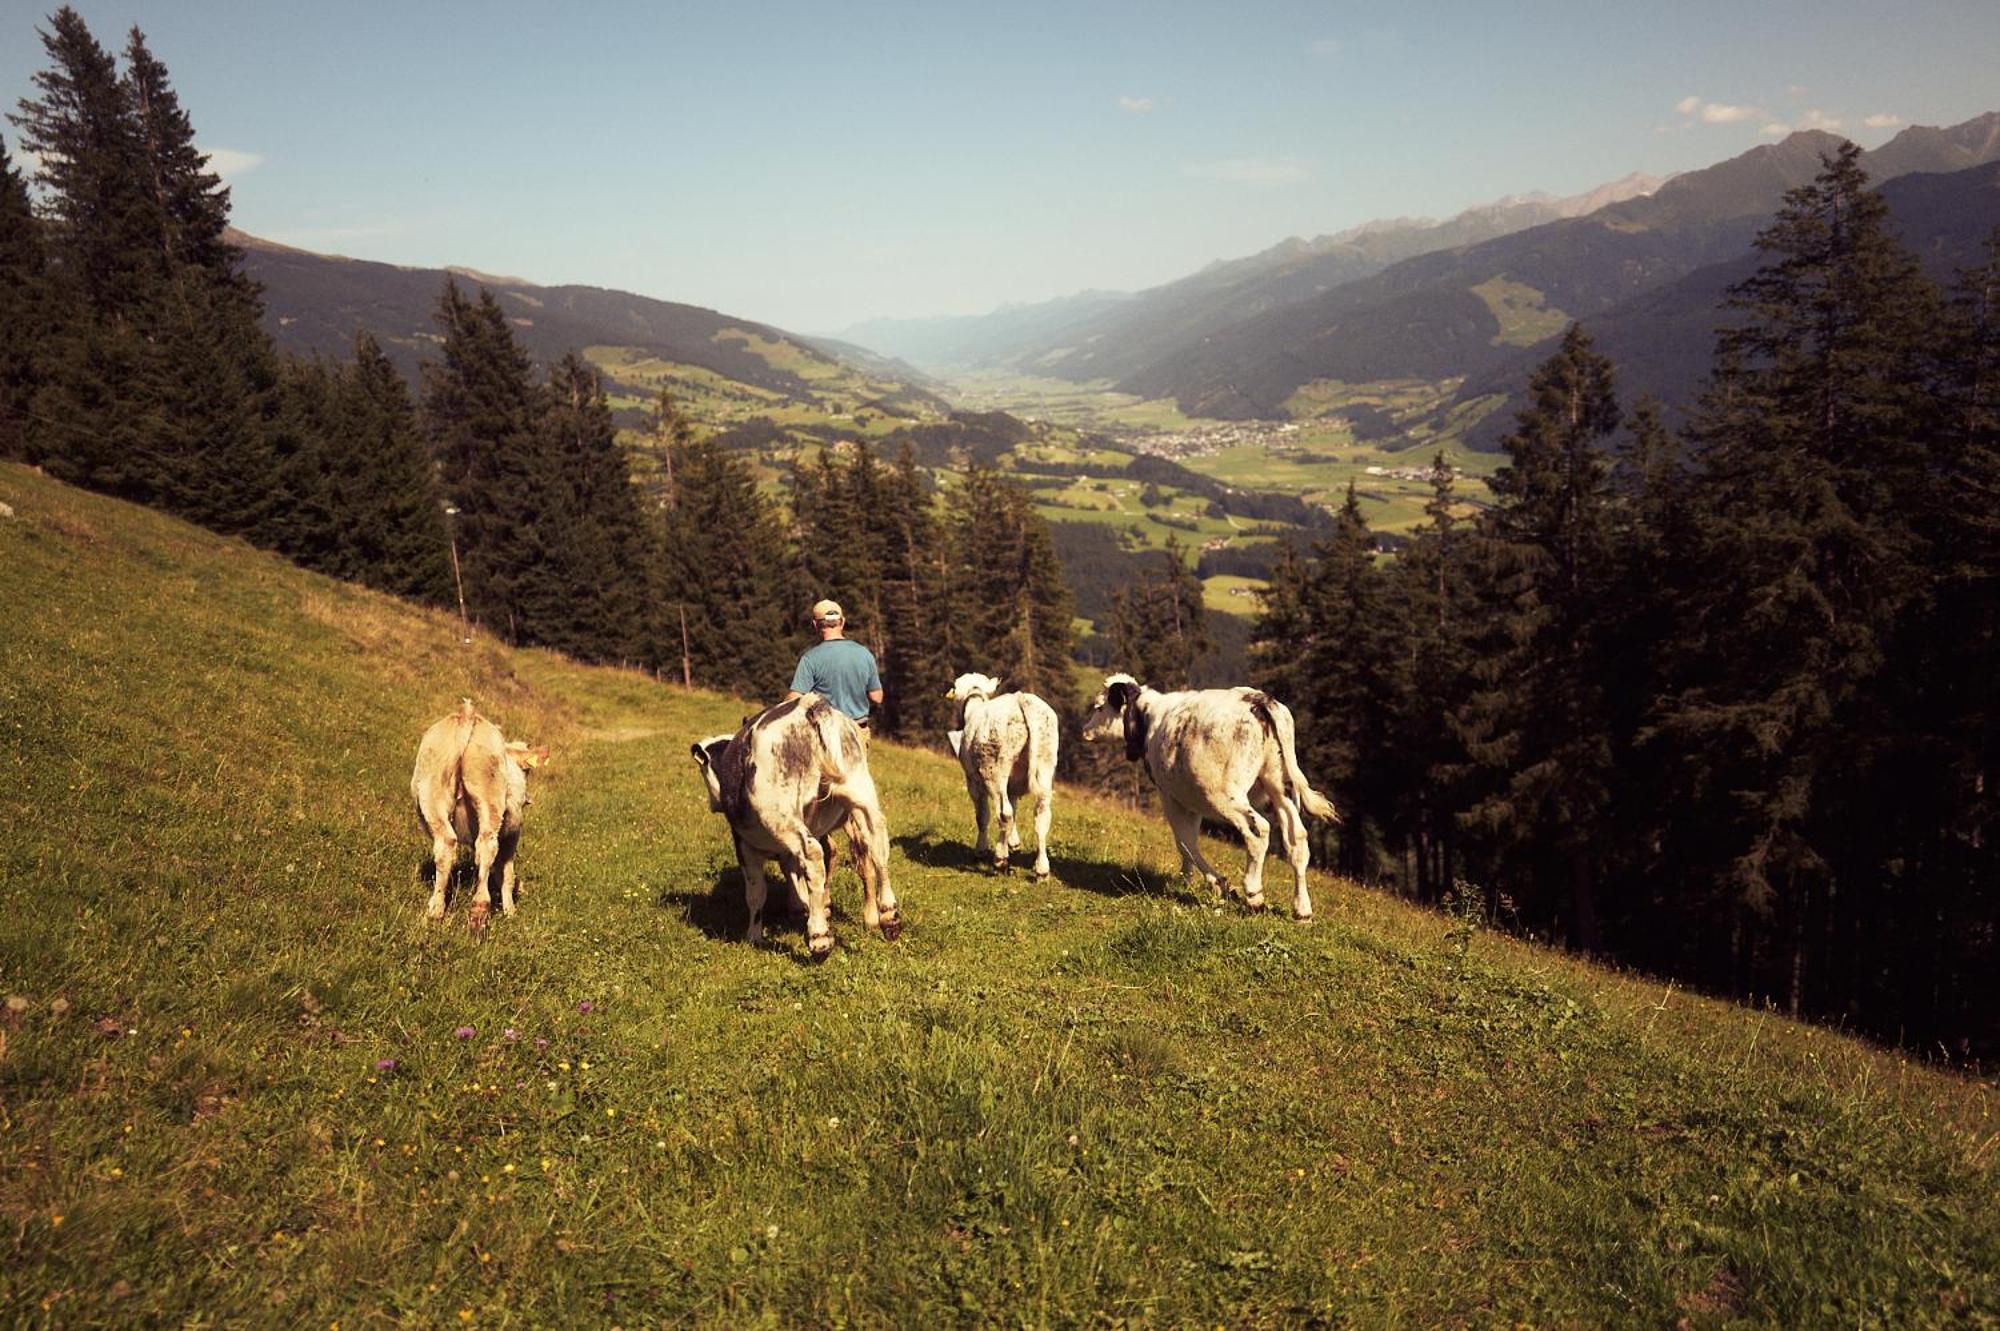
(1601, 588)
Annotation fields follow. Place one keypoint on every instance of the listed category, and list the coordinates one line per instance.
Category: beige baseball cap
(827, 612)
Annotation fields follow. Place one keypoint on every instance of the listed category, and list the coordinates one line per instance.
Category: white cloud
(1716, 113)
(231, 163)
(1883, 120)
(1818, 119)
(1138, 106)
(1325, 46)
(1777, 129)
(1251, 170)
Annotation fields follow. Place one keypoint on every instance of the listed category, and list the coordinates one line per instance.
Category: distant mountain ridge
(1464, 311)
(1105, 334)
(314, 304)
(1662, 343)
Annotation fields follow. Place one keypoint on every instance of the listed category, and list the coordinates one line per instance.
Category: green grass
(1096, 1100)
(1524, 313)
(1086, 406)
(1232, 595)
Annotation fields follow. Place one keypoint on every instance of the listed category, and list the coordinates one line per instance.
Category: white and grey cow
(1226, 754)
(1006, 742)
(787, 780)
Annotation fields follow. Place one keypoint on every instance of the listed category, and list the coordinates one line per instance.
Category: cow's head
(973, 685)
(525, 757)
(1115, 711)
(707, 753)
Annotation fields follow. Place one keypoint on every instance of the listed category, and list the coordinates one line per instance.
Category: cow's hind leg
(1186, 824)
(510, 842)
(805, 865)
(868, 840)
(756, 888)
(981, 812)
(444, 859)
(1005, 837)
(1291, 827)
(485, 854)
(1255, 829)
(1044, 798)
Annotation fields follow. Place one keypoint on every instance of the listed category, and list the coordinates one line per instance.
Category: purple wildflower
(584, 1006)
(541, 1042)
(385, 1065)
(511, 1034)
(465, 1032)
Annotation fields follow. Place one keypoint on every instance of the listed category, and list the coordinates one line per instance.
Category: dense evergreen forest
(1718, 704)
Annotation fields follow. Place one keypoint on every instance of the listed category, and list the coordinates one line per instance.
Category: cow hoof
(1302, 919)
(477, 918)
(892, 928)
(1255, 907)
(821, 947)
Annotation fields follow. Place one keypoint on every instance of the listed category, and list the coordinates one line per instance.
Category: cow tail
(1027, 724)
(839, 748)
(1278, 722)
(468, 719)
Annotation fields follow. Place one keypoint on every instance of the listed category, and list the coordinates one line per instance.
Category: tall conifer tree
(481, 410)
(23, 308)
(1538, 721)
(1810, 443)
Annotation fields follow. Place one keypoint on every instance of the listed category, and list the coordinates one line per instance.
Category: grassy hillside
(243, 1082)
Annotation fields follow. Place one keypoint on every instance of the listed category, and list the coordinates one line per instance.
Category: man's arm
(875, 696)
(802, 680)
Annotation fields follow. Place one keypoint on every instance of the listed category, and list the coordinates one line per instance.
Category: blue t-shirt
(841, 671)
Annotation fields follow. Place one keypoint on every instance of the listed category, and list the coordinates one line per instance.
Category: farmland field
(243, 1081)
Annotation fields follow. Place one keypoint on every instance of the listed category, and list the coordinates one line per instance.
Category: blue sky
(816, 164)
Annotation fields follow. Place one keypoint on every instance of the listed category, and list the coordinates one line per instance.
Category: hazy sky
(815, 164)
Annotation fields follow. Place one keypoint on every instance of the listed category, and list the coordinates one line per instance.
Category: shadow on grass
(719, 912)
(1104, 877)
(463, 884)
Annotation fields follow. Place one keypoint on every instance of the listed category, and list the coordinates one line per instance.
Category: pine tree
(23, 308)
(160, 385)
(1810, 443)
(1007, 582)
(917, 612)
(480, 413)
(601, 577)
(1341, 685)
(97, 400)
(1430, 588)
(725, 569)
(394, 510)
(189, 202)
(105, 226)
(1538, 722)
(1159, 625)
(670, 430)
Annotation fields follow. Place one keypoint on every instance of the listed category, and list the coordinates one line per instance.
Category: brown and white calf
(1226, 754)
(471, 785)
(1006, 742)
(789, 778)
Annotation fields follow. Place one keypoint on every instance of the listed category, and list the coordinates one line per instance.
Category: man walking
(837, 668)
